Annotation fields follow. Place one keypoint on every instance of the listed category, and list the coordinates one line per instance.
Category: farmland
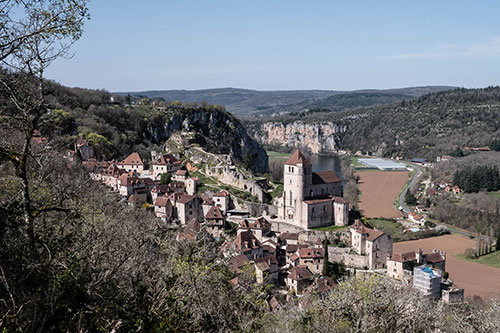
(379, 191)
(477, 279)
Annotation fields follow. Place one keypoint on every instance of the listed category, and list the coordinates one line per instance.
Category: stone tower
(297, 175)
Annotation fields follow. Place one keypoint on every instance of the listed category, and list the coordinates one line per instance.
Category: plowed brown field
(379, 191)
(477, 279)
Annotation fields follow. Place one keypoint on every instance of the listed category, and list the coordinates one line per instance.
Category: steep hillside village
(277, 243)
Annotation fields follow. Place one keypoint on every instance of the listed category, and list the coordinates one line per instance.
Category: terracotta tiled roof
(435, 258)
(245, 242)
(297, 158)
(325, 177)
(222, 194)
(317, 200)
(181, 172)
(161, 201)
(192, 227)
(340, 200)
(415, 216)
(309, 252)
(238, 262)
(274, 304)
(288, 235)
(404, 257)
(132, 159)
(166, 159)
(207, 200)
(214, 213)
(373, 234)
(294, 257)
(299, 273)
(185, 198)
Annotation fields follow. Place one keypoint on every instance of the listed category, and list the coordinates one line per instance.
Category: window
(324, 208)
(313, 210)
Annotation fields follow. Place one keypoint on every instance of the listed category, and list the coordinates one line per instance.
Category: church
(311, 199)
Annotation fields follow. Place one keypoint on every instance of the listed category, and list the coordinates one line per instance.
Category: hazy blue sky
(268, 45)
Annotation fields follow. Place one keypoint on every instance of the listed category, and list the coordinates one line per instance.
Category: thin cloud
(488, 49)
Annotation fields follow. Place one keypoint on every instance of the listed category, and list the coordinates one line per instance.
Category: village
(274, 245)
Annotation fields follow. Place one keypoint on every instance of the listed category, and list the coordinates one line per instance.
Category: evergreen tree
(325, 258)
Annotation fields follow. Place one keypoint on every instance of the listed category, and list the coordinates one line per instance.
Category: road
(402, 202)
(405, 209)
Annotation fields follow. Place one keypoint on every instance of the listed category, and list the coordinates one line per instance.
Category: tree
(325, 259)
(410, 198)
(165, 178)
(497, 245)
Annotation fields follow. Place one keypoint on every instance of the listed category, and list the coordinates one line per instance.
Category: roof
(181, 172)
(325, 177)
(222, 194)
(435, 258)
(185, 198)
(193, 226)
(207, 200)
(310, 252)
(297, 158)
(415, 216)
(132, 159)
(260, 223)
(317, 200)
(166, 159)
(214, 213)
(404, 257)
(340, 200)
(238, 262)
(300, 273)
(246, 241)
(288, 235)
(371, 233)
(161, 201)
(419, 160)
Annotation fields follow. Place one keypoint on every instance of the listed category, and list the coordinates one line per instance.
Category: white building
(133, 162)
(427, 281)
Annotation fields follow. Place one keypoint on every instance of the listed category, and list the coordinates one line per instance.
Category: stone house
(260, 228)
(400, 265)
(216, 222)
(165, 163)
(85, 150)
(246, 243)
(266, 269)
(180, 176)
(374, 244)
(164, 208)
(187, 207)
(133, 162)
(222, 200)
(298, 279)
(129, 182)
(313, 258)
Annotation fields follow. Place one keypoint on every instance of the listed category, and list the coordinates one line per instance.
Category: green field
(494, 194)
(355, 162)
(492, 259)
(277, 154)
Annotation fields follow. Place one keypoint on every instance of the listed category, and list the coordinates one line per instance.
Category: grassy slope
(492, 259)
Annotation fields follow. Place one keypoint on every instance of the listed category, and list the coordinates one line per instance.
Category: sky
(132, 45)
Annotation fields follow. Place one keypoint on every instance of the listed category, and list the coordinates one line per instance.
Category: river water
(326, 163)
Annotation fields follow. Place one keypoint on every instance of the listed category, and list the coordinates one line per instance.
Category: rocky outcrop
(214, 130)
(316, 138)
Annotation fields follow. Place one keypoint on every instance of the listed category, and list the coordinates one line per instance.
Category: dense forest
(477, 179)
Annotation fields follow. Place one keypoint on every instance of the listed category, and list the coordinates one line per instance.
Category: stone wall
(337, 254)
(230, 175)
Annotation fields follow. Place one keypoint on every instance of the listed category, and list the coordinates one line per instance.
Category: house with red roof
(215, 221)
(374, 244)
(188, 207)
(298, 279)
(132, 162)
(165, 163)
(416, 218)
(400, 265)
(222, 199)
(260, 228)
(313, 258)
(246, 243)
(308, 197)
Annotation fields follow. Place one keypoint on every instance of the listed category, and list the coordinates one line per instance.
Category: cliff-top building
(310, 199)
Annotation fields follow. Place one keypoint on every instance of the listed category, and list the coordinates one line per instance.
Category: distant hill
(427, 126)
(247, 103)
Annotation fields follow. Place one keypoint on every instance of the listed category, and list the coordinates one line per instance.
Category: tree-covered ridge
(116, 129)
(478, 178)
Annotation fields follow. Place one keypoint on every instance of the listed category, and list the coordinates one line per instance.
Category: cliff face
(216, 131)
(316, 138)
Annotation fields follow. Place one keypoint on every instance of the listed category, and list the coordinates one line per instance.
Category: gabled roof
(374, 234)
(404, 257)
(238, 262)
(214, 213)
(246, 241)
(166, 159)
(132, 159)
(181, 172)
(435, 258)
(297, 158)
(185, 198)
(288, 235)
(325, 177)
(192, 227)
(299, 273)
(340, 200)
(161, 201)
(310, 252)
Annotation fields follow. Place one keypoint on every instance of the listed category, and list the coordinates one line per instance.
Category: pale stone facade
(308, 197)
(374, 244)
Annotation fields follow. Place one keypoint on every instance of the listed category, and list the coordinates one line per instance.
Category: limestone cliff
(316, 138)
(214, 130)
